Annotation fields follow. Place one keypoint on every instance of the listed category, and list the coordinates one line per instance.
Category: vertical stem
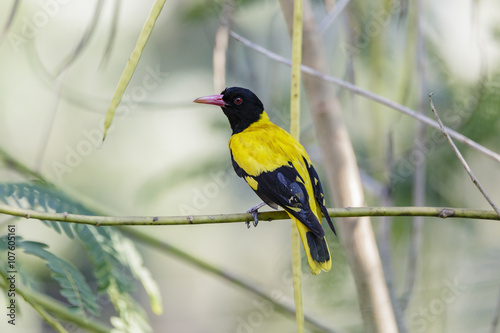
(295, 132)
(344, 181)
(296, 73)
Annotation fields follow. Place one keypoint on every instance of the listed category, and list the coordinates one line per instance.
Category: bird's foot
(254, 211)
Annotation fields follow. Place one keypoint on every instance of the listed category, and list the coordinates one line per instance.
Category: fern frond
(109, 267)
(73, 285)
(37, 197)
(117, 263)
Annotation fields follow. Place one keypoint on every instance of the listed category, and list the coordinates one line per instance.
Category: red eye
(238, 100)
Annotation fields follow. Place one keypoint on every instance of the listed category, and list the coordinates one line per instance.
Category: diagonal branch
(129, 69)
(462, 159)
(369, 95)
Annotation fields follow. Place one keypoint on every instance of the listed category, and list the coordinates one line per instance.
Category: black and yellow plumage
(277, 168)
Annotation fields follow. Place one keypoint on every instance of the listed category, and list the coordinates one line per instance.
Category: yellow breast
(264, 146)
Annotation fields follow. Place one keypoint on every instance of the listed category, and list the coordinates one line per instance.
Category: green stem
(56, 308)
(295, 132)
(442, 212)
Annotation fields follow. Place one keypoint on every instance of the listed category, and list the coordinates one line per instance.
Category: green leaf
(109, 267)
(132, 64)
(4, 195)
(41, 197)
(73, 285)
(117, 263)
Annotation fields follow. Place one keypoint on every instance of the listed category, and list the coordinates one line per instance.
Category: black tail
(318, 248)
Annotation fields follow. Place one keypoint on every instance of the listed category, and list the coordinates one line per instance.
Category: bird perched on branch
(277, 168)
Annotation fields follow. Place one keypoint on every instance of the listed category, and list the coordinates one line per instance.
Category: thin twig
(367, 94)
(442, 212)
(462, 159)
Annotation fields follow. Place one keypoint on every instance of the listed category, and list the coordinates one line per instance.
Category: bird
(277, 168)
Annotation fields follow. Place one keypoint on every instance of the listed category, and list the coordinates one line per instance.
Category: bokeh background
(60, 63)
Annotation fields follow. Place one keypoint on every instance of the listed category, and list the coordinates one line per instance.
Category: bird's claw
(254, 211)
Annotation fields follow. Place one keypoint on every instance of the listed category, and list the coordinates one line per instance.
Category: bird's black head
(241, 106)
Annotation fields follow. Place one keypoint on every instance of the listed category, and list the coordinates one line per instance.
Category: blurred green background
(167, 156)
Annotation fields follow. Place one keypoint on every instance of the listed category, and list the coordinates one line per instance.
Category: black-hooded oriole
(277, 168)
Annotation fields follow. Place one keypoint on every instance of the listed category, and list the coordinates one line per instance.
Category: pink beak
(212, 99)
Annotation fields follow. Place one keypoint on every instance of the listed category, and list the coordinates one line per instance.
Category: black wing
(318, 194)
(285, 187)
(242, 174)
